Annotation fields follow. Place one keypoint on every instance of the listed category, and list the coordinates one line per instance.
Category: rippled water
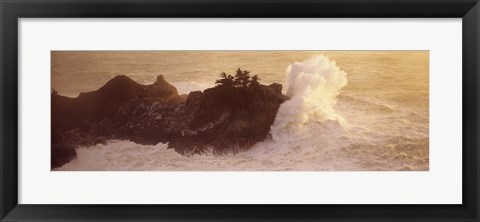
(385, 105)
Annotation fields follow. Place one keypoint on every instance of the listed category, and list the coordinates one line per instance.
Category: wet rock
(62, 151)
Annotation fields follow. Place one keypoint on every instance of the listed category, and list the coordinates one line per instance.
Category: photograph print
(239, 110)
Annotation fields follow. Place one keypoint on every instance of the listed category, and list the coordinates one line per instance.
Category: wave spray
(313, 86)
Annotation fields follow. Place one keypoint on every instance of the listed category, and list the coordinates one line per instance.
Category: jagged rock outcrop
(91, 107)
(61, 151)
(225, 118)
(220, 119)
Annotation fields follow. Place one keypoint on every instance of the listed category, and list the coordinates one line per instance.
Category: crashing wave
(313, 86)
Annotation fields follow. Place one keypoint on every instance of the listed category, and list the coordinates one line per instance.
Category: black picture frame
(12, 10)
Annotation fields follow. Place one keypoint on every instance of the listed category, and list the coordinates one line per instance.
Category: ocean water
(349, 110)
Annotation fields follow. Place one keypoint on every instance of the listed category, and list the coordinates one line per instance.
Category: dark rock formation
(226, 118)
(62, 152)
(221, 119)
(90, 107)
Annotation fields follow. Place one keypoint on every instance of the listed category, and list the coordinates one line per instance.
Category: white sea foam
(313, 86)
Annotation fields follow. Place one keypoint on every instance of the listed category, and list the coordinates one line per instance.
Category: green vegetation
(242, 79)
